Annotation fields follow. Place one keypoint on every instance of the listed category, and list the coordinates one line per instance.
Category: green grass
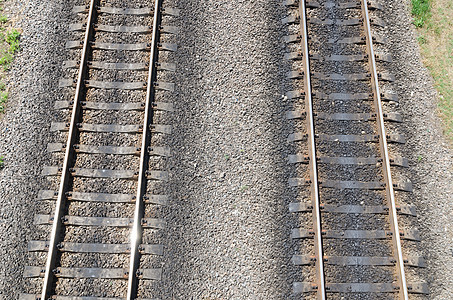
(421, 40)
(421, 10)
(3, 100)
(11, 39)
(435, 27)
(9, 46)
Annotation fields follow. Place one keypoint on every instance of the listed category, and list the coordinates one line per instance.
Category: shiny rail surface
(54, 272)
(141, 190)
(312, 136)
(69, 153)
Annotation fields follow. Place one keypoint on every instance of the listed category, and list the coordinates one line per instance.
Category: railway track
(340, 125)
(108, 185)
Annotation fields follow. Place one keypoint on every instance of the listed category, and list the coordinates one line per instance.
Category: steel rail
(69, 154)
(136, 234)
(385, 157)
(319, 263)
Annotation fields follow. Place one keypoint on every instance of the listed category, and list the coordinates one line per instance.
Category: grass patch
(3, 99)
(435, 27)
(9, 46)
(421, 10)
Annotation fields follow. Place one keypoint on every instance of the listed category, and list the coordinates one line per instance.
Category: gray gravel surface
(25, 129)
(228, 235)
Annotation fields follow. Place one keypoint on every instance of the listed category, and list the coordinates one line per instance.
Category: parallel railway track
(340, 101)
(105, 198)
(104, 235)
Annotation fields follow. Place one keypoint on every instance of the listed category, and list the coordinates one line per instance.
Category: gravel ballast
(33, 83)
(430, 158)
(228, 219)
(229, 226)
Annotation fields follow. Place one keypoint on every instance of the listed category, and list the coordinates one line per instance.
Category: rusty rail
(314, 183)
(389, 190)
(320, 281)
